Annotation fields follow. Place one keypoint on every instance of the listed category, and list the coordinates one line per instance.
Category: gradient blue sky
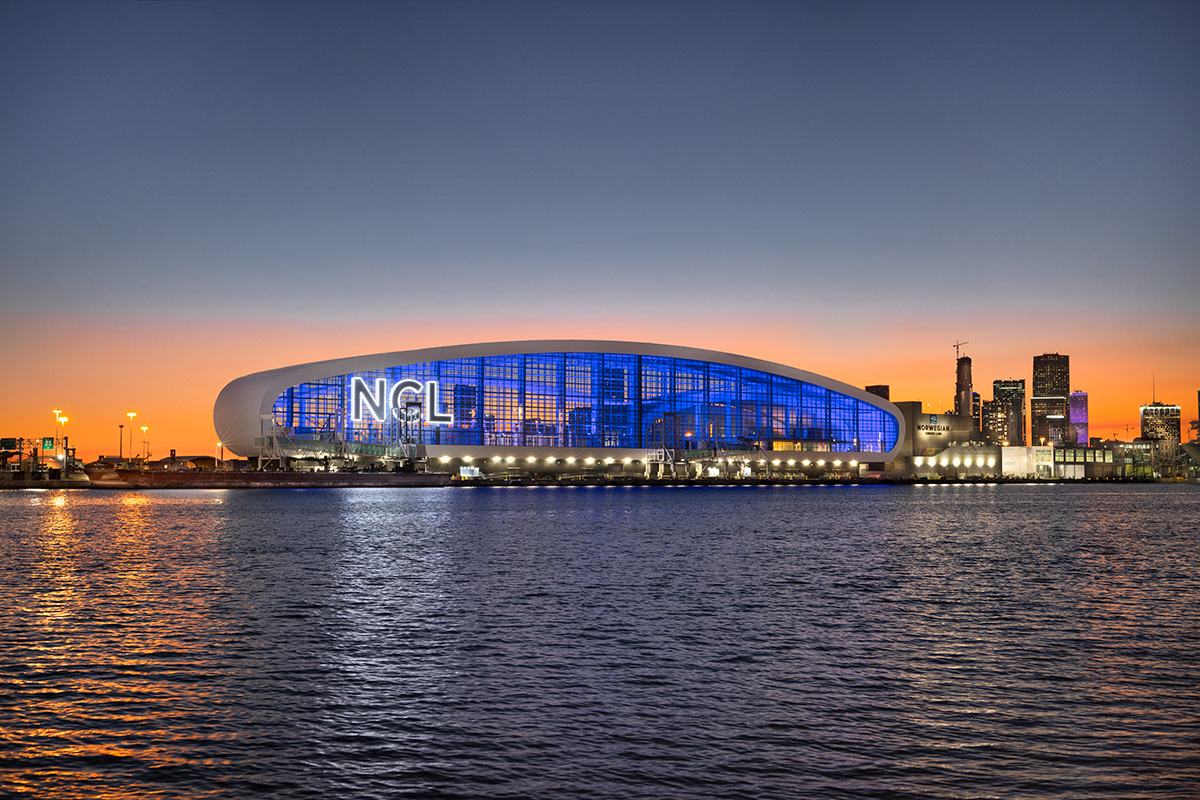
(559, 166)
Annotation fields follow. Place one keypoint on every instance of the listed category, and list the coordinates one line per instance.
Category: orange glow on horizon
(171, 371)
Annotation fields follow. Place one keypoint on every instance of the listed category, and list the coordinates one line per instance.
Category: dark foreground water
(785, 642)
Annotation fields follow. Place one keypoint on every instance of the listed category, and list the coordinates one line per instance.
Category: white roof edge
(237, 426)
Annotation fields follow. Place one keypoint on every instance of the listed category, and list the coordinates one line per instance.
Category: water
(767, 642)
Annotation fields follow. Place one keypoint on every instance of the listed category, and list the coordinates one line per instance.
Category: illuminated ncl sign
(382, 402)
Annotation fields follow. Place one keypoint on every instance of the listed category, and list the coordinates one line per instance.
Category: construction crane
(956, 346)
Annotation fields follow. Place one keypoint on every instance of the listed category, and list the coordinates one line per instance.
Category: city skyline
(187, 419)
(195, 192)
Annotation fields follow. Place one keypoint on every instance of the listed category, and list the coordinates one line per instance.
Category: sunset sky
(192, 192)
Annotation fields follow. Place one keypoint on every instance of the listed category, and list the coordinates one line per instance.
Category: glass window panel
(601, 400)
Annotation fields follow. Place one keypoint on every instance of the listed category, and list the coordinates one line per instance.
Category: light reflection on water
(1007, 641)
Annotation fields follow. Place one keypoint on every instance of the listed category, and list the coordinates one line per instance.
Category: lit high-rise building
(1058, 429)
(1051, 387)
(1051, 375)
(1161, 422)
(994, 417)
(1011, 393)
(1079, 417)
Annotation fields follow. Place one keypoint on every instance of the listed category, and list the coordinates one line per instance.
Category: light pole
(145, 445)
(66, 456)
(221, 449)
(120, 444)
(131, 415)
(57, 418)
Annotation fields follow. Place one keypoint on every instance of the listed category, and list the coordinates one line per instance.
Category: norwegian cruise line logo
(384, 402)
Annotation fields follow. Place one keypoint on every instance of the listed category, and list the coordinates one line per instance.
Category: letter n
(376, 403)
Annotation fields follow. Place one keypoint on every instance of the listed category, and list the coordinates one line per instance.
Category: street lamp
(120, 444)
(66, 456)
(58, 419)
(131, 415)
(145, 444)
(221, 449)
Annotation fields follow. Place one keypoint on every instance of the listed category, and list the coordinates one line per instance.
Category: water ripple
(1002, 641)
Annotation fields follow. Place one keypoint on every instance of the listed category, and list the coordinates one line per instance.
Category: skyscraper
(1051, 386)
(995, 416)
(962, 387)
(1161, 422)
(1079, 417)
(1011, 393)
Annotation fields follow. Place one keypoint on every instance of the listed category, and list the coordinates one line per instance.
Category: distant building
(962, 387)
(930, 434)
(1051, 375)
(1078, 417)
(1196, 421)
(995, 416)
(881, 390)
(1011, 393)
(1161, 422)
(1058, 429)
(1051, 388)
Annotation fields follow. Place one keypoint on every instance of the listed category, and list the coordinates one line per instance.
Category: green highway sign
(8, 444)
(47, 442)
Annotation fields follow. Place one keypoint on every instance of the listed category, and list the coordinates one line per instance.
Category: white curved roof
(244, 401)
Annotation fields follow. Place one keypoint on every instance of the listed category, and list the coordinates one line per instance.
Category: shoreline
(348, 480)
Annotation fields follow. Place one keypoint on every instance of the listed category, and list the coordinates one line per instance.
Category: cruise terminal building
(558, 408)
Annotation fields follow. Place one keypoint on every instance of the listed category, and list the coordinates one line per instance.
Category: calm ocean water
(768, 642)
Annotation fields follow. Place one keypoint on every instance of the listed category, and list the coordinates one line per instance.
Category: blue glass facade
(571, 399)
